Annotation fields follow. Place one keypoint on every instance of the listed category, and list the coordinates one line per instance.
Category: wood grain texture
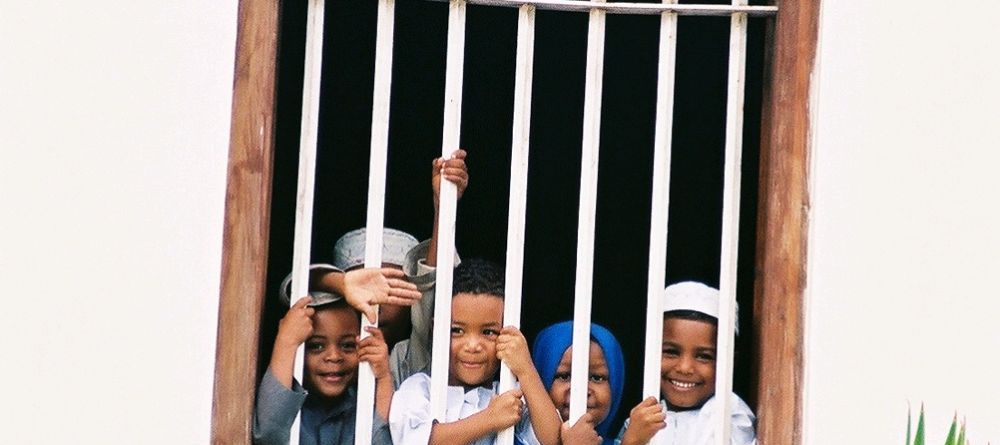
(782, 222)
(245, 235)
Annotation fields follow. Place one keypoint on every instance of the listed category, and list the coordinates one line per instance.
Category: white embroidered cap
(349, 251)
(694, 296)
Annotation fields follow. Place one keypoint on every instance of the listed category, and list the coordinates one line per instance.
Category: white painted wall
(114, 130)
(905, 236)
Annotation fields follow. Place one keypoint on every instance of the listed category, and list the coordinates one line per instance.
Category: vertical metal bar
(588, 210)
(307, 170)
(518, 188)
(446, 217)
(376, 200)
(730, 222)
(659, 213)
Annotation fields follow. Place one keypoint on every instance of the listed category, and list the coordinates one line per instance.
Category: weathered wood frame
(247, 220)
(782, 221)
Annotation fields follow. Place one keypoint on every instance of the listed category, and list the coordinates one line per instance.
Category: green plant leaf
(918, 438)
(909, 420)
(961, 435)
(951, 433)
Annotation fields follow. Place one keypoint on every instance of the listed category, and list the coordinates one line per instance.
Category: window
(780, 218)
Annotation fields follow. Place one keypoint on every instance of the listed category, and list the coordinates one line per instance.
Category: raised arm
(512, 349)
(454, 170)
(295, 327)
(365, 288)
(278, 398)
(372, 349)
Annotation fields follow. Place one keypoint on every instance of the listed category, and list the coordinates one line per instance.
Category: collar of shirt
(343, 405)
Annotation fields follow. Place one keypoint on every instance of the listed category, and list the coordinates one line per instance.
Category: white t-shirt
(697, 427)
(410, 418)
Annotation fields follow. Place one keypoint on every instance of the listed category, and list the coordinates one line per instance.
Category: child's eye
(491, 332)
(314, 346)
(348, 346)
(670, 352)
(562, 376)
(456, 331)
(598, 378)
(705, 357)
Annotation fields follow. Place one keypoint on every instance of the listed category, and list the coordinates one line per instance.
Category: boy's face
(331, 356)
(598, 386)
(687, 366)
(476, 320)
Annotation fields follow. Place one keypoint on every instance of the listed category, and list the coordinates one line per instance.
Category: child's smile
(475, 324)
(332, 352)
(687, 366)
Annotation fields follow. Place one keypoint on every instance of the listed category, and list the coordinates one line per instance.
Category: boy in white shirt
(687, 377)
(475, 413)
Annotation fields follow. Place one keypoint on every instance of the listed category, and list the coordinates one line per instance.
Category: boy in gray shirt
(330, 329)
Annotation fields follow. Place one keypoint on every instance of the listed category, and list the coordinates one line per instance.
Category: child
(687, 376)
(330, 329)
(404, 315)
(553, 357)
(475, 413)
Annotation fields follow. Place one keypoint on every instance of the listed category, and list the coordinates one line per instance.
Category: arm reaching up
(373, 350)
(295, 327)
(455, 171)
(512, 349)
(365, 288)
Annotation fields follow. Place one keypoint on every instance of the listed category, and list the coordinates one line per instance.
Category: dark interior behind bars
(626, 154)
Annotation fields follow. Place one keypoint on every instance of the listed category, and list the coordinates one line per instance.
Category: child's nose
(334, 355)
(685, 365)
(565, 395)
(474, 343)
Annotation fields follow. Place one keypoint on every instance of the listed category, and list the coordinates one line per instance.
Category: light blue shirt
(410, 418)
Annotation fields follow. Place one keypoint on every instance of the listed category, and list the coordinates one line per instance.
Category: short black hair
(478, 276)
(685, 314)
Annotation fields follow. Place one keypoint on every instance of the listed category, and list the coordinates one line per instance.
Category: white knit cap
(349, 251)
(694, 296)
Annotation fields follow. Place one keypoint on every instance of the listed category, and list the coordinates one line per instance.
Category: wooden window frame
(781, 221)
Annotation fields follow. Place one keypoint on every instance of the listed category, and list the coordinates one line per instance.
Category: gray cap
(349, 251)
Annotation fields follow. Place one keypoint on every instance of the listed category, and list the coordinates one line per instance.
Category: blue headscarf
(551, 344)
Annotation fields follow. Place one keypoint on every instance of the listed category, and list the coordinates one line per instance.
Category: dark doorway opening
(624, 183)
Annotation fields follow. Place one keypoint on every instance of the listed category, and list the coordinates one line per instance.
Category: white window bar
(669, 10)
(307, 172)
(446, 216)
(730, 223)
(376, 201)
(518, 188)
(633, 8)
(659, 213)
(588, 209)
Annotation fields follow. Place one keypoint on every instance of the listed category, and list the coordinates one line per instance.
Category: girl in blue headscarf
(553, 358)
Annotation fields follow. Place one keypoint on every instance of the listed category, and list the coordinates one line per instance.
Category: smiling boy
(330, 329)
(687, 376)
(479, 342)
